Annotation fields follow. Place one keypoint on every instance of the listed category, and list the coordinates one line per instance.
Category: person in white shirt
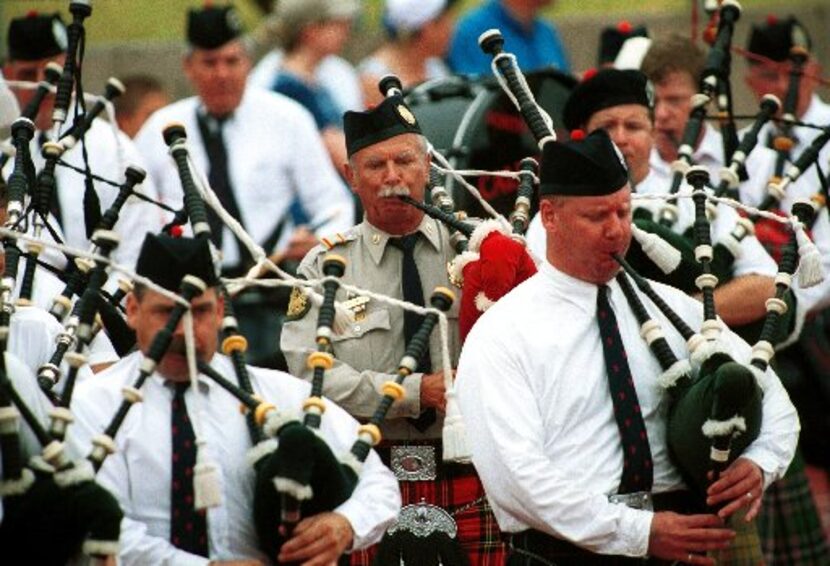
(674, 64)
(143, 472)
(621, 103)
(539, 398)
(768, 71)
(262, 155)
(33, 42)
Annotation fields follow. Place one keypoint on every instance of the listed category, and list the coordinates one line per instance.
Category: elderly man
(399, 252)
(34, 41)
(264, 158)
(564, 411)
(152, 472)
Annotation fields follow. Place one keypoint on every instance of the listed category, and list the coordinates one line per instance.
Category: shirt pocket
(378, 319)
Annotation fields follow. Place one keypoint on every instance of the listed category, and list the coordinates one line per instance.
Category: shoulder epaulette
(340, 238)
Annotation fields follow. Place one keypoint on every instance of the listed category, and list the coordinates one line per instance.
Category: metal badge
(357, 306)
(424, 519)
(413, 463)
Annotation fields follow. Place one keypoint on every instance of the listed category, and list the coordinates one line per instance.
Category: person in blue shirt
(535, 42)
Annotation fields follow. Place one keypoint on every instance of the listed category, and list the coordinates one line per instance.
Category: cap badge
(406, 114)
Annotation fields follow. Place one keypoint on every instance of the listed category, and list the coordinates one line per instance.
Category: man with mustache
(161, 525)
(399, 252)
(564, 408)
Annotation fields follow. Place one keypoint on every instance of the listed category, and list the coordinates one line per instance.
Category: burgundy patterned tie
(637, 466)
(188, 527)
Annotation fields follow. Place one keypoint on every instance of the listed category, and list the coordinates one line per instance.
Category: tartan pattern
(789, 525)
(478, 532)
(745, 550)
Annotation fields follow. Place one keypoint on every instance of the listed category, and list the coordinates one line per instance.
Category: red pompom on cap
(772, 19)
(32, 14)
(624, 27)
(176, 231)
(577, 135)
(589, 74)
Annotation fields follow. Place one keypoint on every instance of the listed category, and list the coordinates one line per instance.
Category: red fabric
(773, 235)
(478, 532)
(503, 264)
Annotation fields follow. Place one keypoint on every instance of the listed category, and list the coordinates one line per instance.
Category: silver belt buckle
(637, 500)
(423, 519)
(413, 463)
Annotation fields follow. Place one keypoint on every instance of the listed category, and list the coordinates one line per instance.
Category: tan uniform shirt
(368, 351)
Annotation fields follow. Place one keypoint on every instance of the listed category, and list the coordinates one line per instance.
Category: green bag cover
(305, 458)
(48, 524)
(723, 390)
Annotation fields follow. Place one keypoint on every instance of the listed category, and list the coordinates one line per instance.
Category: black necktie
(188, 527)
(637, 465)
(413, 292)
(219, 179)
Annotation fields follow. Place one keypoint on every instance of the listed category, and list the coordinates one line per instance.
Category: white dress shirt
(275, 155)
(534, 395)
(139, 473)
(137, 216)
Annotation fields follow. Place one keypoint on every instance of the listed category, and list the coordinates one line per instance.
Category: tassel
(663, 254)
(810, 270)
(455, 444)
(207, 485)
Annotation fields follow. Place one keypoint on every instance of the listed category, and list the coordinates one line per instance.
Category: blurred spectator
(143, 96)
(535, 42)
(419, 33)
(613, 38)
(311, 30)
(333, 73)
(261, 152)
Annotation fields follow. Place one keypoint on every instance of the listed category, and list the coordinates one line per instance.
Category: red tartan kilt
(478, 532)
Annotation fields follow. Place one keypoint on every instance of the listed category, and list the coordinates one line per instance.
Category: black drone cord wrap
(23, 130)
(52, 73)
(369, 434)
(449, 219)
(698, 177)
(716, 67)
(730, 176)
(697, 116)
(80, 9)
(41, 202)
(492, 43)
(235, 345)
(191, 287)
(175, 137)
(61, 305)
(783, 141)
(776, 306)
(106, 241)
(322, 359)
(83, 123)
(520, 217)
(777, 189)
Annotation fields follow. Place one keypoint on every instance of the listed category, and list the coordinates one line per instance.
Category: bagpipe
(51, 499)
(713, 416)
(715, 412)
